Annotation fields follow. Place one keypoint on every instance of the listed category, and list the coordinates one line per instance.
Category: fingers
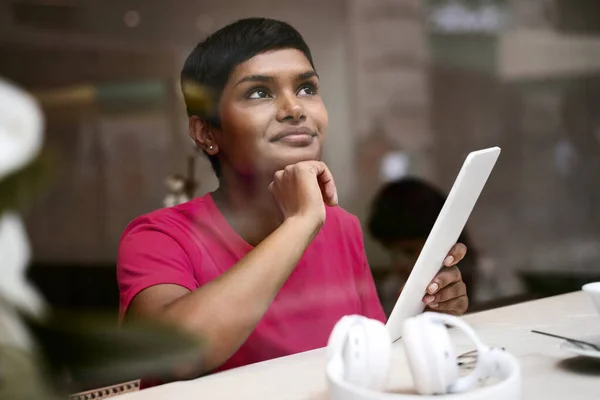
(447, 292)
(326, 182)
(456, 254)
(277, 177)
(444, 278)
(324, 178)
(450, 292)
(456, 306)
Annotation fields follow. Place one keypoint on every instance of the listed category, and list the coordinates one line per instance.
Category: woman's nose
(290, 108)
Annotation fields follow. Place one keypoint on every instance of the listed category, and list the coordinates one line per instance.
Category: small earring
(210, 147)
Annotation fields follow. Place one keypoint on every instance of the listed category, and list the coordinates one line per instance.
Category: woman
(402, 215)
(267, 264)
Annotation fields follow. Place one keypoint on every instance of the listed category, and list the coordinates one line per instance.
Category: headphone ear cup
(430, 355)
(366, 354)
(338, 335)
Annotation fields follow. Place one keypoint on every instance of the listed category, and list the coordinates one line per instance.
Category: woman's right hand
(303, 189)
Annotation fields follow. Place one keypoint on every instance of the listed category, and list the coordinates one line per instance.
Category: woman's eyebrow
(307, 74)
(269, 79)
(256, 78)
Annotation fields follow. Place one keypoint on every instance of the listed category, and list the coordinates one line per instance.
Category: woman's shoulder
(340, 217)
(344, 225)
(343, 231)
(162, 219)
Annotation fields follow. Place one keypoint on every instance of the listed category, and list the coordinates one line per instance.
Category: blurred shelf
(541, 54)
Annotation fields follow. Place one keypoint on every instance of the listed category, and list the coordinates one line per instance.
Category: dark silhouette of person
(402, 214)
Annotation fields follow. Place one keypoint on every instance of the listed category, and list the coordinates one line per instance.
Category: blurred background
(411, 86)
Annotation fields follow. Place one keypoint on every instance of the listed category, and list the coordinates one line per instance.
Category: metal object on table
(579, 343)
(106, 392)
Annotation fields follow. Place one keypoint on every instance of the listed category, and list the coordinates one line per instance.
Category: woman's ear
(203, 134)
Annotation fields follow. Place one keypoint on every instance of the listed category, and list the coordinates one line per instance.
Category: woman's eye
(307, 90)
(258, 94)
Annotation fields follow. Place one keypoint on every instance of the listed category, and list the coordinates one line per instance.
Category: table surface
(548, 372)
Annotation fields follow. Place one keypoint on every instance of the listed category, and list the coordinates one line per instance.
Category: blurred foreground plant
(41, 349)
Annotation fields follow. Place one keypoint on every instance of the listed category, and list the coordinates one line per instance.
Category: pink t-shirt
(191, 244)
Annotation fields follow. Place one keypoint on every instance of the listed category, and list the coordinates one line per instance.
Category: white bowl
(593, 290)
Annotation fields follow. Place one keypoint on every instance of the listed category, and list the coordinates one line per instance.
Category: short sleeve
(148, 256)
(367, 291)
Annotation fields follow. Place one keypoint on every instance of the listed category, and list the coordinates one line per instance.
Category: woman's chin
(296, 156)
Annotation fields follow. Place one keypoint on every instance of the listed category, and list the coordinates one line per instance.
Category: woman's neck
(248, 206)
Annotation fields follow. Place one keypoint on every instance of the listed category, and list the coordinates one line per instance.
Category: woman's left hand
(447, 292)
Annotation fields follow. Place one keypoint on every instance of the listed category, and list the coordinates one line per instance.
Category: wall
(113, 162)
(538, 215)
(391, 104)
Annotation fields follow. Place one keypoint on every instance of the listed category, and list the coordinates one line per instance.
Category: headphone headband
(496, 363)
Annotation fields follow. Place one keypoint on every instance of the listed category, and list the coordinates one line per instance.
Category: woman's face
(272, 114)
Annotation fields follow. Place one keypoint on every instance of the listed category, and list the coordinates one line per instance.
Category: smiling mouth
(297, 137)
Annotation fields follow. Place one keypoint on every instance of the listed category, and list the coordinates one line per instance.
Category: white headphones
(359, 358)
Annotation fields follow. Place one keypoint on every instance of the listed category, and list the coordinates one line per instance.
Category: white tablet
(445, 232)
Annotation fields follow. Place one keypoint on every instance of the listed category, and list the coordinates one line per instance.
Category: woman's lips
(298, 137)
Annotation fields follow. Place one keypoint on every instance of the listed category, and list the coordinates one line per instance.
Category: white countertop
(548, 372)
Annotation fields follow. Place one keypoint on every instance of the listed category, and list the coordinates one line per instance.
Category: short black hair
(212, 61)
(406, 209)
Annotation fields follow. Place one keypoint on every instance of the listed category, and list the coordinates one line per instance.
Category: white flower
(21, 129)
